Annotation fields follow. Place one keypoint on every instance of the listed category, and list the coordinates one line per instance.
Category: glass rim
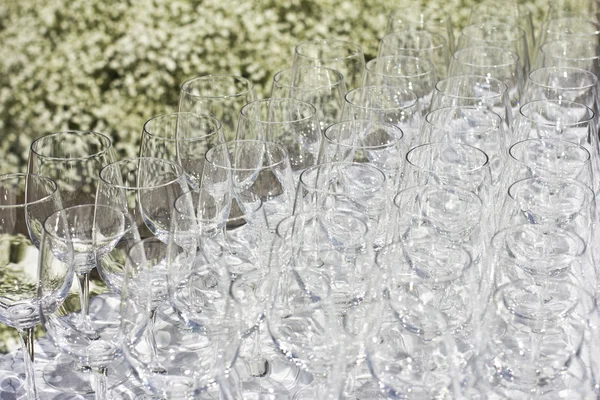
(357, 50)
(415, 277)
(259, 103)
(448, 188)
(412, 105)
(312, 188)
(585, 188)
(544, 49)
(423, 15)
(218, 126)
(524, 107)
(524, 142)
(376, 60)
(63, 212)
(582, 297)
(272, 145)
(499, 237)
(237, 78)
(337, 125)
(19, 176)
(482, 167)
(104, 138)
(499, 83)
(334, 72)
(491, 114)
(311, 213)
(498, 50)
(586, 73)
(441, 41)
(521, 8)
(509, 29)
(118, 165)
(572, 18)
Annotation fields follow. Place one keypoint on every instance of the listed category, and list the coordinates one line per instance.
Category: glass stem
(27, 339)
(100, 384)
(84, 299)
(155, 366)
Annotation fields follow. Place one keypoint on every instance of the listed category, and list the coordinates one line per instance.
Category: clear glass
(386, 104)
(72, 159)
(411, 73)
(25, 202)
(422, 17)
(322, 87)
(494, 62)
(219, 95)
(290, 123)
(345, 57)
(183, 138)
(474, 90)
(572, 52)
(418, 43)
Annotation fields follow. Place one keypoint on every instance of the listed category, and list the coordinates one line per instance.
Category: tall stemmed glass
(474, 90)
(72, 159)
(412, 73)
(323, 292)
(386, 104)
(418, 43)
(145, 190)
(422, 17)
(183, 138)
(495, 62)
(25, 202)
(290, 123)
(89, 232)
(572, 52)
(243, 171)
(563, 83)
(221, 96)
(492, 33)
(510, 14)
(322, 87)
(346, 57)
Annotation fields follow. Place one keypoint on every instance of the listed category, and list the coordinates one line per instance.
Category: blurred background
(109, 66)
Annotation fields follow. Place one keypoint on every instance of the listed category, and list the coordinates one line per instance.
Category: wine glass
(558, 119)
(469, 125)
(322, 87)
(245, 170)
(183, 138)
(412, 73)
(72, 159)
(345, 57)
(360, 188)
(571, 52)
(495, 62)
(562, 83)
(418, 43)
(495, 34)
(25, 202)
(86, 328)
(422, 17)
(386, 104)
(322, 295)
(474, 90)
(290, 123)
(145, 188)
(219, 95)
(510, 14)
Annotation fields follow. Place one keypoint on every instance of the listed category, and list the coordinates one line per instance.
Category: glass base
(64, 373)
